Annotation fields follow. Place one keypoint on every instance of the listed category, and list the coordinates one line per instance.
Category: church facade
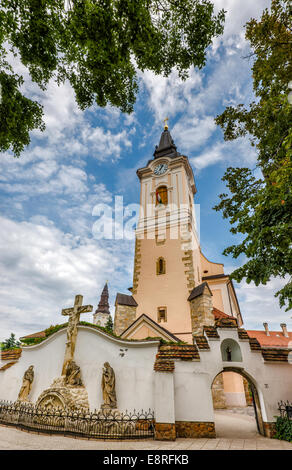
(174, 334)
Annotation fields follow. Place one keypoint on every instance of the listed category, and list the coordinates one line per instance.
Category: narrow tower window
(161, 314)
(160, 266)
(161, 195)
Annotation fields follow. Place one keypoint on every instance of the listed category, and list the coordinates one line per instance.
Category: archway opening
(236, 405)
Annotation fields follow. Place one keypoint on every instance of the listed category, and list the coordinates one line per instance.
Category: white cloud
(237, 152)
(45, 268)
(258, 304)
(168, 95)
(105, 143)
(193, 132)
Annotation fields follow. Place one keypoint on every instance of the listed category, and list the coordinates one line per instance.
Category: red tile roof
(218, 314)
(39, 334)
(276, 338)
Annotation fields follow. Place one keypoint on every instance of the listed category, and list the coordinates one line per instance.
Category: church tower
(174, 285)
(167, 256)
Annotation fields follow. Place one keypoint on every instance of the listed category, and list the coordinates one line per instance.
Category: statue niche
(26, 384)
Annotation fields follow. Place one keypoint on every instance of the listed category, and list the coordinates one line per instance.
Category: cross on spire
(165, 123)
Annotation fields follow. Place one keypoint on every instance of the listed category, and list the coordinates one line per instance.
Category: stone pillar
(125, 315)
(218, 395)
(201, 310)
(248, 396)
(164, 407)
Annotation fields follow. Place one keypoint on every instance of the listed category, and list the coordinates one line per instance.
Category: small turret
(102, 313)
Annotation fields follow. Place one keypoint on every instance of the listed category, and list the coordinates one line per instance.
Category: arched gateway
(255, 395)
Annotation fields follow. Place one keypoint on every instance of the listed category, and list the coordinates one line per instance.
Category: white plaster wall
(273, 381)
(193, 398)
(134, 371)
(164, 397)
(182, 396)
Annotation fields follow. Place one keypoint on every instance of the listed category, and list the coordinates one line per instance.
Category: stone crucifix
(74, 316)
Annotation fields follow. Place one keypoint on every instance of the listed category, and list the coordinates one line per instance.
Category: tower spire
(166, 147)
(102, 312)
(103, 305)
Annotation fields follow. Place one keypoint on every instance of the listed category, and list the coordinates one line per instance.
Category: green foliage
(31, 341)
(163, 341)
(54, 328)
(98, 327)
(97, 46)
(283, 429)
(261, 208)
(109, 325)
(48, 332)
(10, 343)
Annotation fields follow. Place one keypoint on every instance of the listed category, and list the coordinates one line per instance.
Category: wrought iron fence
(285, 409)
(98, 424)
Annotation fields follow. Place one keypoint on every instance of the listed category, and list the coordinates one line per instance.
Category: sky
(48, 250)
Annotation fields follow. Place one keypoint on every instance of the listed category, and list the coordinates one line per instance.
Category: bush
(283, 429)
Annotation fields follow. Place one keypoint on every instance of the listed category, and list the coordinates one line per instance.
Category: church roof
(218, 314)
(199, 291)
(154, 324)
(166, 147)
(103, 305)
(274, 339)
(38, 334)
(123, 299)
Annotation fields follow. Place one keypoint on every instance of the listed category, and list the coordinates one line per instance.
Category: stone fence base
(191, 429)
(187, 429)
(270, 429)
(165, 432)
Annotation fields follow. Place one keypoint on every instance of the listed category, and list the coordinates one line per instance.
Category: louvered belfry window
(161, 195)
(160, 266)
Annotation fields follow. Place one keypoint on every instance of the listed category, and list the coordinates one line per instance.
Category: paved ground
(234, 431)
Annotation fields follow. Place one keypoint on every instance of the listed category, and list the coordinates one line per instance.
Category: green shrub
(10, 343)
(30, 341)
(284, 429)
(54, 328)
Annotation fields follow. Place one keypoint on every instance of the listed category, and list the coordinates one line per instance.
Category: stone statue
(228, 352)
(73, 374)
(108, 385)
(26, 384)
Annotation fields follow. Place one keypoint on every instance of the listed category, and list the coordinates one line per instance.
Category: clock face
(160, 169)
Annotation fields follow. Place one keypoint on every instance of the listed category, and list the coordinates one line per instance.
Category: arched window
(160, 266)
(161, 196)
(230, 351)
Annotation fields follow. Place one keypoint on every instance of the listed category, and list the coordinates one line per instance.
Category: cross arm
(84, 308)
(67, 311)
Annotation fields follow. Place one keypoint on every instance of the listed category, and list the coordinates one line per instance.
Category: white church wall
(131, 361)
(184, 395)
(164, 398)
(273, 381)
(193, 398)
(47, 359)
